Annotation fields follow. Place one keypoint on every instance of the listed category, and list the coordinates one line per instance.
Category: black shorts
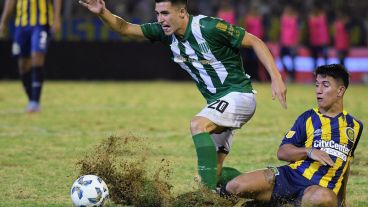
(289, 186)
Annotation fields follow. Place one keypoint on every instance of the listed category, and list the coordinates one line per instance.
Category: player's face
(328, 92)
(170, 17)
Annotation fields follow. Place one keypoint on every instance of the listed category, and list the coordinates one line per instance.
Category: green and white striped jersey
(209, 52)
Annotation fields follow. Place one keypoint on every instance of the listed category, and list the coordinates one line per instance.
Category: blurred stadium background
(85, 49)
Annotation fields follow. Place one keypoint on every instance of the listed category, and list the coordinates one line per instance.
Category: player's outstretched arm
(291, 153)
(6, 14)
(264, 55)
(116, 23)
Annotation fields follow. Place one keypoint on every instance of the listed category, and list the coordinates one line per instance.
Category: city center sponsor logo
(332, 148)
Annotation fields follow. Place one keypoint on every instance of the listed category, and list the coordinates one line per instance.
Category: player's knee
(38, 59)
(319, 196)
(233, 187)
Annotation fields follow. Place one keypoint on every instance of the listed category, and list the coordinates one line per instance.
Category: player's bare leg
(38, 59)
(256, 185)
(201, 124)
(35, 66)
(24, 66)
(220, 161)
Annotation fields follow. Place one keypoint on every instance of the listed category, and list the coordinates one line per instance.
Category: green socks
(227, 174)
(207, 159)
(207, 162)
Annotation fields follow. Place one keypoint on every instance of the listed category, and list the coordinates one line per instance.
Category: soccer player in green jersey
(208, 49)
(320, 147)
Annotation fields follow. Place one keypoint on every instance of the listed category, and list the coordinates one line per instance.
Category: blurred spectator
(341, 36)
(318, 34)
(140, 11)
(241, 8)
(143, 9)
(205, 7)
(289, 39)
(366, 33)
(67, 9)
(254, 24)
(227, 12)
(121, 8)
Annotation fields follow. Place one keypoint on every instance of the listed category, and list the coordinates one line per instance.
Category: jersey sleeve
(297, 135)
(358, 137)
(225, 33)
(153, 31)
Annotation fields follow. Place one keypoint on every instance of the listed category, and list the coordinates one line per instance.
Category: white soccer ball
(89, 190)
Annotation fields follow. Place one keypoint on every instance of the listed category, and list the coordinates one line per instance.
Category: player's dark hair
(337, 71)
(175, 2)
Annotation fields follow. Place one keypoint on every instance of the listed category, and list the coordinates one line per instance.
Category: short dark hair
(174, 2)
(337, 71)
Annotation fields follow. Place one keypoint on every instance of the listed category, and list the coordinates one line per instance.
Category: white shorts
(223, 141)
(232, 111)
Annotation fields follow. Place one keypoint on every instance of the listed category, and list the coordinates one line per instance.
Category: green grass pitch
(38, 152)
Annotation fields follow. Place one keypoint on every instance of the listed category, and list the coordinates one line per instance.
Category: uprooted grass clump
(202, 198)
(122, 163)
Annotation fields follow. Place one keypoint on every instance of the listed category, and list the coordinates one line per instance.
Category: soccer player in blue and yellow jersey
(34, 21)
(208, 50)
(319, 147)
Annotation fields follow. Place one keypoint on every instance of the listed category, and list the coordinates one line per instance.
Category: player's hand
(321, 156)
(279, 90)
(95, 6)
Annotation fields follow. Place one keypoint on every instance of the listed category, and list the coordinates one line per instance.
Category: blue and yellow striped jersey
(34, 13)
(337, 136)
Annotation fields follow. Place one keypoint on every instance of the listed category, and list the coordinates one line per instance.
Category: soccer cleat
(223, 192)
(33, 107)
